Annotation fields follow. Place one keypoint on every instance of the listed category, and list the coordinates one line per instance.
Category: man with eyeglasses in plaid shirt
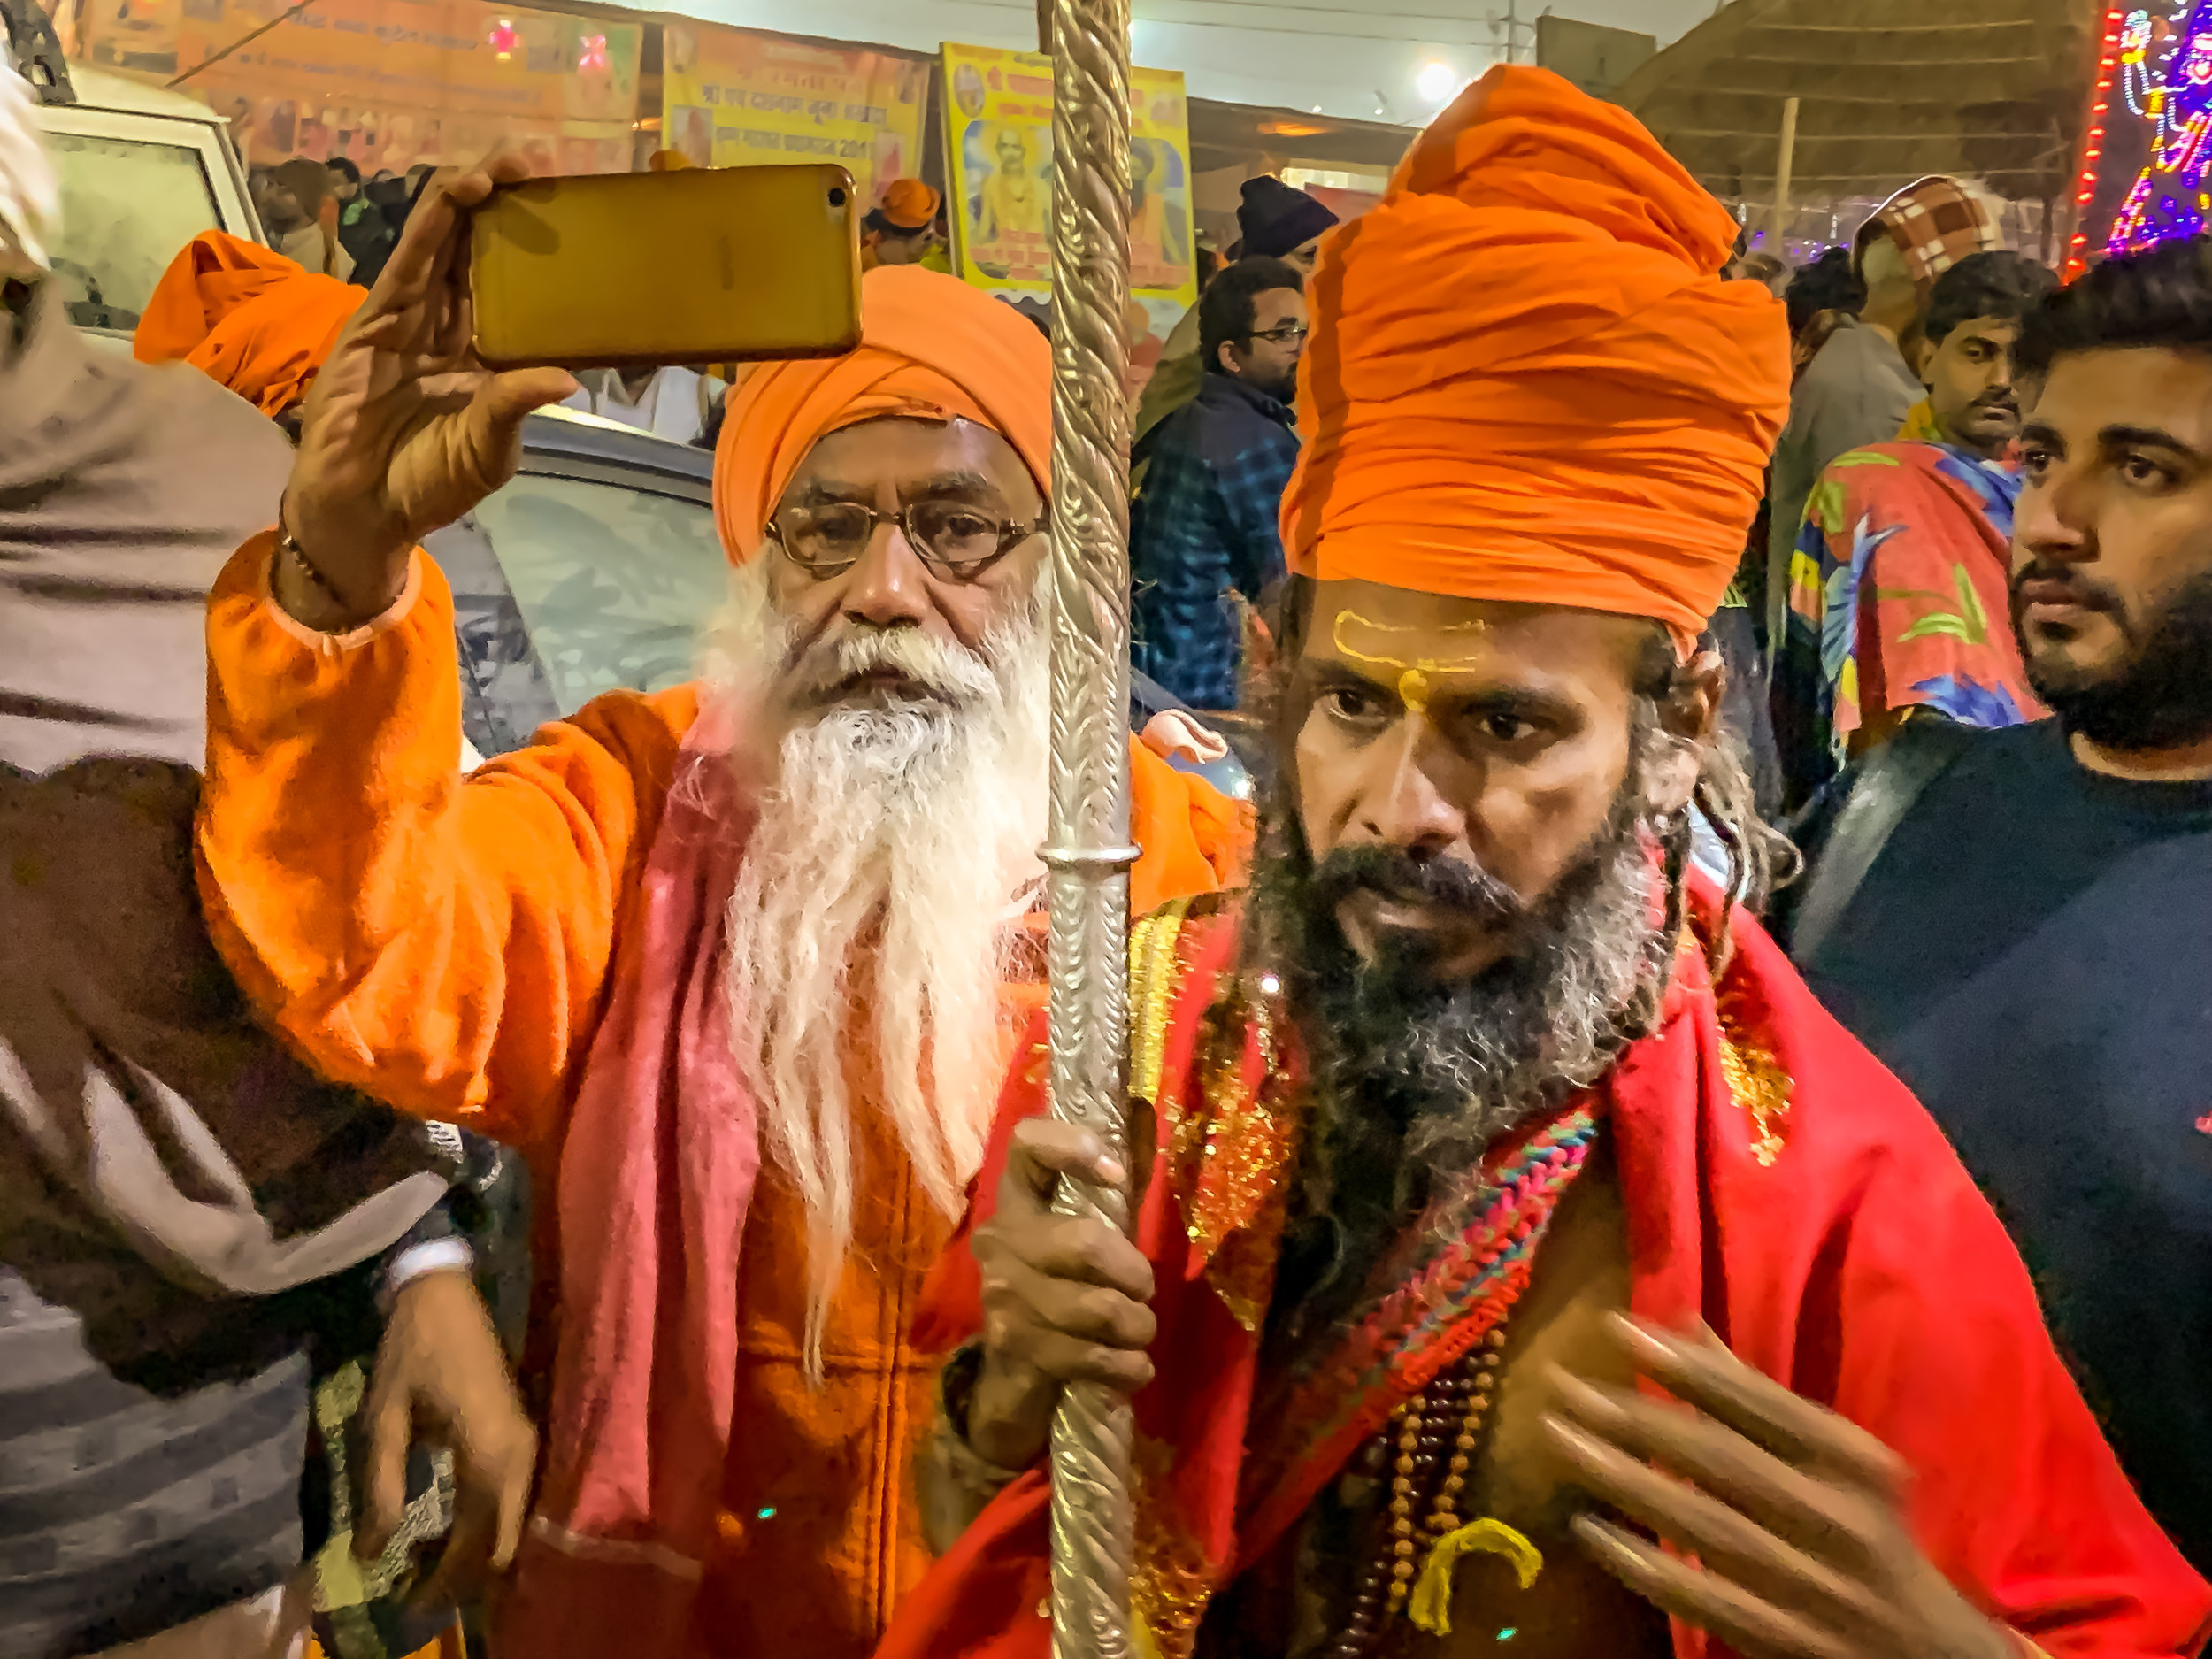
(1201, 525)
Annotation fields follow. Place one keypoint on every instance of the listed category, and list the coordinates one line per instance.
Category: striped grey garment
(125, 1512)
(182, 1205)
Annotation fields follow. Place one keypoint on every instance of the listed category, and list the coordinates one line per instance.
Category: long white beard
(908, 830)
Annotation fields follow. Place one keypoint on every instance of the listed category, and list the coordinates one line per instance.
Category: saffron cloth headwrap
(931, 346)
(246, 317)
(1526, 379)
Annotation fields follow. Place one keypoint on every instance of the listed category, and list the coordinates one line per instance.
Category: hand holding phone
(406, 429)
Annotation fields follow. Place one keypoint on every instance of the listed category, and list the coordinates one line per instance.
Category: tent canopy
(1888, 90)
(1262, 140)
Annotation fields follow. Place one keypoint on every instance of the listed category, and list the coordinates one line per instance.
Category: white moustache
(838, 665)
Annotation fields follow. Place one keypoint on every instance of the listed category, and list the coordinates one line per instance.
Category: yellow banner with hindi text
(736, 97)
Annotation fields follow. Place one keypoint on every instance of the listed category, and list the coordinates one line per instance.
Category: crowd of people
(327, 218)
(1581, 1199)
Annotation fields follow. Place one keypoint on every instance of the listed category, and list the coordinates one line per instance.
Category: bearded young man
(2028, 934)
(775, 922)
(1479, 1125)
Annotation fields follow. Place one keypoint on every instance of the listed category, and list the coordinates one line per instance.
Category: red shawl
(1780, 1184)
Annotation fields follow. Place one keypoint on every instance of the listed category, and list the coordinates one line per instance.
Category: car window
(615, 585)
(127, 207)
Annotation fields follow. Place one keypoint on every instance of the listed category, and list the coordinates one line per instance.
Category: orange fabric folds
(931, 346)
(246, 317)
(1526, 380)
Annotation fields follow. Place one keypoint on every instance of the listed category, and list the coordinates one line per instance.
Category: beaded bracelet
(289, 549)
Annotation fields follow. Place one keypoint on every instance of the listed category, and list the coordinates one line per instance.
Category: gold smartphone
(705, 265)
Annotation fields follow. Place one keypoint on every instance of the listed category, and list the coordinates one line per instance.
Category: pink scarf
(655, 1175)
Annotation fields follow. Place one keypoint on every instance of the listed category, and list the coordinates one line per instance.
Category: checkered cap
(1934, 223)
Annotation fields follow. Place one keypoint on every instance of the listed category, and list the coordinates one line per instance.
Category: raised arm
(441, 943)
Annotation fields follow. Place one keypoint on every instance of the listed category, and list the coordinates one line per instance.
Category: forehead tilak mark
(1414, 666)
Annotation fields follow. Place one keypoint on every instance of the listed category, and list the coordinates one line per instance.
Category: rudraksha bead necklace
(1428, 1448)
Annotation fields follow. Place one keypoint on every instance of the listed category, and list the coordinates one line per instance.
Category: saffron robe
(1778, 1184)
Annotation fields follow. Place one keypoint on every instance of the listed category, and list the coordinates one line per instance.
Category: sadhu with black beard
(1523, 1256)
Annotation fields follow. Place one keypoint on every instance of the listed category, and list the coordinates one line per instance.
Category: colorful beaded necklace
(1442, 1310)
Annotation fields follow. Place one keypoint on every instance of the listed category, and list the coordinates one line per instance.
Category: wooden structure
(1887, 91)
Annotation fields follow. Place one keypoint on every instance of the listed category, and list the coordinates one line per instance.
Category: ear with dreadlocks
(1760, 858)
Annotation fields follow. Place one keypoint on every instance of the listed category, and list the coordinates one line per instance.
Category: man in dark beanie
(1280, 222)
(1277, 221)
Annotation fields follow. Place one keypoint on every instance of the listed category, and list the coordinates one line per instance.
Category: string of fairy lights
(2156, 65)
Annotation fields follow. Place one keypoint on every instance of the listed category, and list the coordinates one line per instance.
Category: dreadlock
(1759, 857)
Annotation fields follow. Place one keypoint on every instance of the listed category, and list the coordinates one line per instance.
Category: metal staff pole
(1087, 850)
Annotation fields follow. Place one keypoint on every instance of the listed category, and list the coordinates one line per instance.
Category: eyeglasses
(1285, 334)
(950, 537)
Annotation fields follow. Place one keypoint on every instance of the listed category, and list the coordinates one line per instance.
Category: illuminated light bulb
(1436, 81)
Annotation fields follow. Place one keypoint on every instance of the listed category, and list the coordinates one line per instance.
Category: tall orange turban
(247, 317)
(930, 346)
(1526, 380)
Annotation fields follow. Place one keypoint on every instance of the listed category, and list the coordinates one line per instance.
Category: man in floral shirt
(1897, 589)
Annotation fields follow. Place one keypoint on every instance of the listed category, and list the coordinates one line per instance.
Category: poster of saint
(998, 146)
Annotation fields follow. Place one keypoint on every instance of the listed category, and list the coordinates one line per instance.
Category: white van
(143, 171)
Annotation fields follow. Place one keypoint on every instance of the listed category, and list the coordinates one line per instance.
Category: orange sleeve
(1195, 839)
(439, 941)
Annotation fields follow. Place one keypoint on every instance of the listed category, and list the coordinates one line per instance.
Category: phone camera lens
(837, 198)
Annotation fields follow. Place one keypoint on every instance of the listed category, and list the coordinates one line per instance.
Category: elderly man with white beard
(739, 964)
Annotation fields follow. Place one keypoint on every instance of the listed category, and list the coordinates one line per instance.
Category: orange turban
(1526, 380)
(908, 205)
(930, 346)
(246, 317)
